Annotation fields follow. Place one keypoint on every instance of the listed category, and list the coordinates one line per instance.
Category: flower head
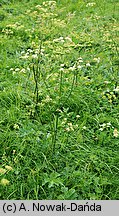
(2, 171)
(9, 168)
(115, 133)
(5, 182)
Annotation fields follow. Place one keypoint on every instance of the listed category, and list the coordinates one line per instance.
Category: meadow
(59, 122)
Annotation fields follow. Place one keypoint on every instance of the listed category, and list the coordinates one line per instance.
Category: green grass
(59, 100)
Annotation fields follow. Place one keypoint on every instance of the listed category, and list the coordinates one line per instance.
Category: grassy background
(59, 99)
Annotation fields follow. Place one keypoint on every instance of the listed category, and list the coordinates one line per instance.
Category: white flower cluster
(32, 53)
(49, 3)
(104, 126)
(115, 133)
(46, 5)
(116, 89)
(91, 4)
(16, 70)
(63, 39)
(47, 99)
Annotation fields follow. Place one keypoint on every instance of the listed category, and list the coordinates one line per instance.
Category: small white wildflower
(48, 135)
(63, 123)
(28, 69)
(90, 4)
(108, 124)
(9, 168)
(38, 6)
(116, 89)
(37, 51)
(97, 17)
(97, 59)
(17, 69)
(103, 125)
(35, 56)
(48, 99)
(5, 182)
(88, 64)
(106, 82)
(72, 68)
(2, 171)
(61, 69)
(26, 56)
(115, 133)
(69, 124)
(84, 127)
(77, 116)
(67, 129)
(11, 69)
(23, 52)
(101, 129)
(30, 50)
(14, 72)
(65, 119)
(16, 126)
(60, 39)
(71, 128)
(14, 151)
(66, 79)
(51, 3)
(59, 110)
(80, 59)
(68, 38)
(79, 66)
(22, 70)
